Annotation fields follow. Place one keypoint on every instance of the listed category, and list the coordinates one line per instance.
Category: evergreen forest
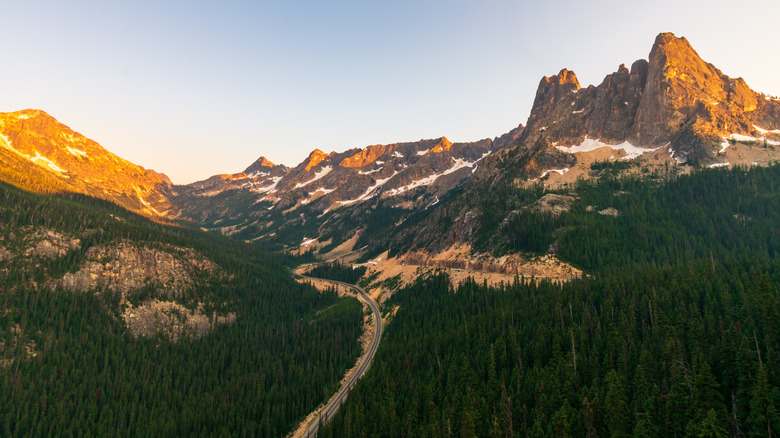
(70, 367)
(338, 271)
(673, 331)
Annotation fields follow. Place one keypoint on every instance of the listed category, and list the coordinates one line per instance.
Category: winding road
(335, 402)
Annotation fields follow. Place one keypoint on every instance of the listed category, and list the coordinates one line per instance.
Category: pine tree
(763, 417)
(616, 405)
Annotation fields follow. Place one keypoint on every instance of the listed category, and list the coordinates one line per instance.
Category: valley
(310, 425)
(608, 267)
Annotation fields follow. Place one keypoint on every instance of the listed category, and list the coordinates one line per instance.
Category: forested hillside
(674, 332)
(69, 364)
(338, 271)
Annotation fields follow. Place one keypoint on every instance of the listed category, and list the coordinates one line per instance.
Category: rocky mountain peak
(674, 98)
(39, 153)
(265, 162)
(315, 157)
(551, 91)
(262, 164)
(441, 146)
(685, 93)
(564, 77)
(367, 155)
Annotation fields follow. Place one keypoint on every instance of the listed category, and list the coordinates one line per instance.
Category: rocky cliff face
(327, 181)
(126, 268)
(674, 99)
(684, 91)
(407, 176)
(123, 267)
(38, 153)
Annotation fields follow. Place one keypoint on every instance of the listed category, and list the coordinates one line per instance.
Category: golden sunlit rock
(315, 158)
(366, 156)
(39, 153)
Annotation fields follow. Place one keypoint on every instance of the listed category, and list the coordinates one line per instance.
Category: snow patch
(741, 137)
(370, 171)
(671, 155)
(428, 180)
(590, 144)
(6, 143)
(714, 165)
(257, 173)
(324, 171)
(766, 131)
(76, 152)
(147, 204)
(372, 191)
(724, 145)
(322, 190)
(748, 138)
(269, 188)
(23, 116)
(369, 193)
(307, 242)
(560, 171)
(397, 154)
(420, 153)
(580, 111)
(46, 162)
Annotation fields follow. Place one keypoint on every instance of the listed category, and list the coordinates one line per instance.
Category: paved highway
(365, 361)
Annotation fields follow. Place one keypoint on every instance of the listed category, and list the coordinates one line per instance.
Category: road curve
(326, 413)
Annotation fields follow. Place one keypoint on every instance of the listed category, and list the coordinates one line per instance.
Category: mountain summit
(41, 154)
(675, 98)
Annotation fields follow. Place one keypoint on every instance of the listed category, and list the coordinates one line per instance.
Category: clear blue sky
(195, 88)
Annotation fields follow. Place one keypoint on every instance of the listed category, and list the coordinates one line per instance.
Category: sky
(196, 88)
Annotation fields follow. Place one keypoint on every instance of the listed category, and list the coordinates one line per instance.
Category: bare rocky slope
(327, 181)
(39, 153)
(328, 195)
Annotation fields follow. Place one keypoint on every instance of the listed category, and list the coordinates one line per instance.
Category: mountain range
(610, 267)
(671, 109)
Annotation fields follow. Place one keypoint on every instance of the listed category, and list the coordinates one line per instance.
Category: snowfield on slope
(590, 144)
(324, 171)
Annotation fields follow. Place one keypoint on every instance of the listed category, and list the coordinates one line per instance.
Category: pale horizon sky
(194, 88)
